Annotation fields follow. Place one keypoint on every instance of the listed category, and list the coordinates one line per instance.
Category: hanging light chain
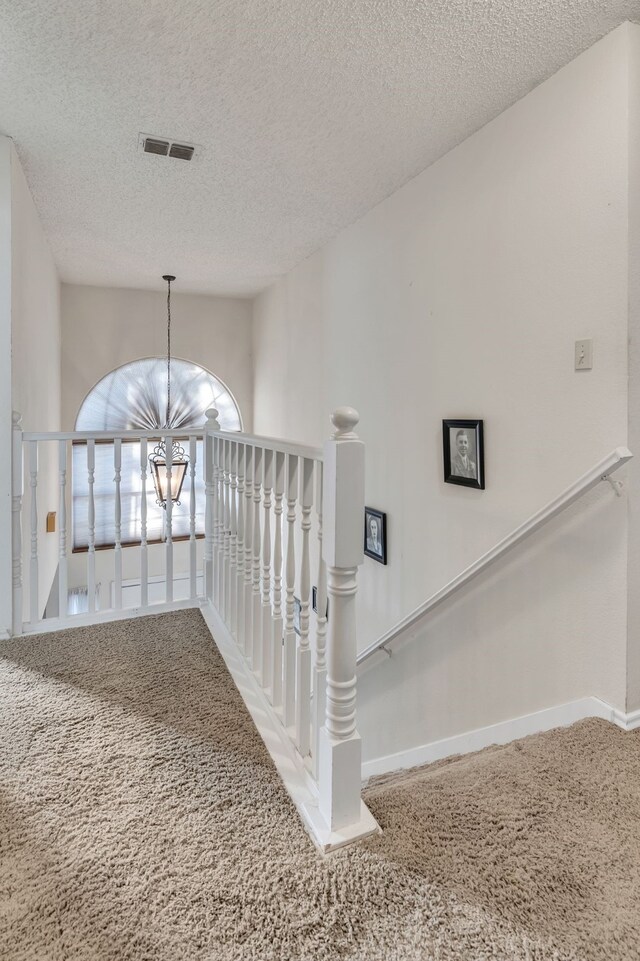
(169, 278)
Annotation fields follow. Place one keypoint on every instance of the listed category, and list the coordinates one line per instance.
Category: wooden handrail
(600, 472)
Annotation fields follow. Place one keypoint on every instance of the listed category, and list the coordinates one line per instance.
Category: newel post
(339, 773)
(210, 426)
(17, 488)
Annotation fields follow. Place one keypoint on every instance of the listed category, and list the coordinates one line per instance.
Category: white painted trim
(181, 577)
(562, 715)
(602, 471)
(273, 443)
(297, 780)
(48, 625)
(108, 435)
(628, 722)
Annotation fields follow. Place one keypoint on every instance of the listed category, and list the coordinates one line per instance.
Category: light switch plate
(584, 355)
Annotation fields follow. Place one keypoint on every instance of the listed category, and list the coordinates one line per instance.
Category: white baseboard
(628, 722)
(300, 786)
(50, 624)
(561, 715)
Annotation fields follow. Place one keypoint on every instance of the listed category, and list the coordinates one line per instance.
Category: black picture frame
(314, 597)
(456, 471)
(375, 547)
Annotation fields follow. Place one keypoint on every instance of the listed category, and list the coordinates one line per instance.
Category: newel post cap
(212, 419)
(16, 419)
(344, 419)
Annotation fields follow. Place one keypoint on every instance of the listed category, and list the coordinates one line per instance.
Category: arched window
(134, 397)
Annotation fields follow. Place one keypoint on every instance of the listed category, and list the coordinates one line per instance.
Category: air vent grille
(181, 151)
(160, 147)
(163, 147)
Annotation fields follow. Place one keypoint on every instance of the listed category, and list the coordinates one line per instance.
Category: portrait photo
(314, 597)
(463, 451)
(375, 535)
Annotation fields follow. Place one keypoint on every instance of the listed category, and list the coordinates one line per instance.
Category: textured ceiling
(309, 112)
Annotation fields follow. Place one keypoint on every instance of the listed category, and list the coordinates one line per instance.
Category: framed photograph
(314, 596)
(297, 607)
(463, 445)
(375, 535)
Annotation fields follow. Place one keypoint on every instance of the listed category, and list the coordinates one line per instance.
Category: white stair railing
(263, 499)
(311, 687)
(77, 569)
(600, 472)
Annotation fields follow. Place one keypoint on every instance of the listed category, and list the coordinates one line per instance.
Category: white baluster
(117, 462)
(276, 647)
(192, 518)
(289, 680)
(343, 510)
(91, 527)
(34, 615)
(240, 631)
(62, 531)
(267, 625)
(144, 558)
(17, 488)
(303, 653)
(226, 543)
(219, 519)
(320, 664)
(248, 556)
(232, 618)
(258, 666)
(169, 522)
(210, 500)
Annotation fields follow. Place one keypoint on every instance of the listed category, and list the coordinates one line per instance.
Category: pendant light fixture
(158, 460)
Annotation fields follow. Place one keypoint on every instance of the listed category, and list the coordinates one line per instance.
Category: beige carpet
(141, 819)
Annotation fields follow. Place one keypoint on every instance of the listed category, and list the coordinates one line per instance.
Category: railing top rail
(616, 459)
(254, 440)
(273, 443)
(107, 435)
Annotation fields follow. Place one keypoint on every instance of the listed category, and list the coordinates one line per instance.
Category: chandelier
(168, 488)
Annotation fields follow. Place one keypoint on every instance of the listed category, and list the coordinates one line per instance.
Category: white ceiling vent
(162, 147)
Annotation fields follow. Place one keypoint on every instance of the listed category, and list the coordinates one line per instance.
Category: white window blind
(130, 498)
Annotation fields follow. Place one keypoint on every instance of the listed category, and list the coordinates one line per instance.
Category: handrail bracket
(616, 485)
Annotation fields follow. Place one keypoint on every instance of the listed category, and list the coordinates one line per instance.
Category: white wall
(633, 266)
(5, 383)
(35, 358)
(289, 369)
(103, 328)
(461, 295)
